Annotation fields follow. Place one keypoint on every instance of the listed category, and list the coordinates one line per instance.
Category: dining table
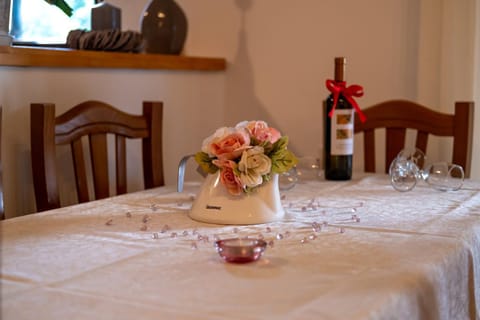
(354, 249)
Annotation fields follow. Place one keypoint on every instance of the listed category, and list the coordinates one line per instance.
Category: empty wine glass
(308, 168)
(444, 176)
(410, 166)
(288, 180)
(405, 169)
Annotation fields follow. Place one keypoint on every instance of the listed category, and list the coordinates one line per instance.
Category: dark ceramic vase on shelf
(106, 16)
(164, 27)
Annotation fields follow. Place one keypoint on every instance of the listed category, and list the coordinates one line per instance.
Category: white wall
(279, 54)
(446, 60)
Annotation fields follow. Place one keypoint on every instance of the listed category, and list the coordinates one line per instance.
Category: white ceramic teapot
(213, 203)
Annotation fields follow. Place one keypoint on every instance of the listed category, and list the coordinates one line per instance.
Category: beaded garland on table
(315, 219)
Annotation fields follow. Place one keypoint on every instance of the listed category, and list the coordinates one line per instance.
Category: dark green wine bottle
(338, 131)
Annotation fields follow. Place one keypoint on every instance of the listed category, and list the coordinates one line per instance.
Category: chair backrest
(396, 116)
(94, 120)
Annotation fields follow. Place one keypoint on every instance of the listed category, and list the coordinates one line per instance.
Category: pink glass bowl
(238, 250)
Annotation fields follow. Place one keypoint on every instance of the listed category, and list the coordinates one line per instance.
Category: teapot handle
(181, 172)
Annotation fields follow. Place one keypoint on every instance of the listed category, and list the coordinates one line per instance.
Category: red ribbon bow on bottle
(340, 87)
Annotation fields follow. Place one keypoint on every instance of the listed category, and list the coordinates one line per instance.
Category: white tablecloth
(346, 250)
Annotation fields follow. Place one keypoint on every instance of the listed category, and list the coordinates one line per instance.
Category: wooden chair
(398, 115)
(95, 120)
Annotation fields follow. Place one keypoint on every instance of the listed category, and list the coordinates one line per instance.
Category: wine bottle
(338, 129)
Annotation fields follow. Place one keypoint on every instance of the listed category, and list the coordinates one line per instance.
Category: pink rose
(228, 178)
(231, 145)
(262, 132)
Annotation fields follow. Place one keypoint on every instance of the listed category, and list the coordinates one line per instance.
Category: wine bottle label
(342, 132)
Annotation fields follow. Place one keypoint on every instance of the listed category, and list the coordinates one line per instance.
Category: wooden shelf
(66, 58)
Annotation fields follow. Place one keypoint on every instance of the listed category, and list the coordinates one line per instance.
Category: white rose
(253, 164)
(242, 125)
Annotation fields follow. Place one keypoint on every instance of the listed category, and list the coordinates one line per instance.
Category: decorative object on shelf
(164, 27)
(243, 164)
(105, 40)
(5, 38)
(106, 16)
(62, 5)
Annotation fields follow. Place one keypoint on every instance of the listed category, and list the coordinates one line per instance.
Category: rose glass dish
(238, 250)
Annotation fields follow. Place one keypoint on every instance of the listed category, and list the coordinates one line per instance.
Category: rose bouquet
(247, 155)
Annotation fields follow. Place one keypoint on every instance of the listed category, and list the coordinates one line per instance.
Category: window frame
(81, 21)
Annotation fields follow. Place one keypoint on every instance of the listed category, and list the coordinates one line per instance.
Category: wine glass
(288, 180)
(405, 169)
(308, 168)
(410, 166)
(444, 176)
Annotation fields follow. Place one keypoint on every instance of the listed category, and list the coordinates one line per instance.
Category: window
(37, 22)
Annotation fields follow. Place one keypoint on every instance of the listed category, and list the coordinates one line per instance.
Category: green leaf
(281, 143)
(283, 161)
(266, 145)
(205, 162)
